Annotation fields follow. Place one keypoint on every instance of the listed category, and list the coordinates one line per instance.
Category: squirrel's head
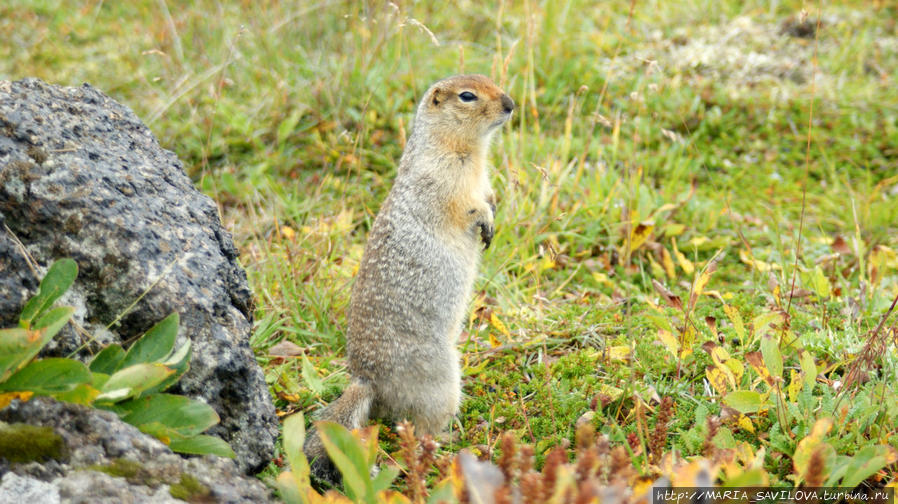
(463, 110)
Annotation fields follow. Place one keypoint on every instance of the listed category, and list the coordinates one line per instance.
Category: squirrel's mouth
(502, 120)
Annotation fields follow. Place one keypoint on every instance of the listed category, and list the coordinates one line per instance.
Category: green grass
(691, 118)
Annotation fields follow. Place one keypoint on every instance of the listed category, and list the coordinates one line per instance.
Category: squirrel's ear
(435, 98)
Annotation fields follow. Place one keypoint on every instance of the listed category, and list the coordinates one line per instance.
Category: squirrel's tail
(350, 410)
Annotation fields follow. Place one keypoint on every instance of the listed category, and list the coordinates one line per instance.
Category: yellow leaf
(736, 319)
(293, 398)
(494, 320)
(699, 285)
(736, 368)
(745, 423)
(808, 370)
(698, 241)
(288, 232)
(881, 259)
(694, 474)
(685, 264)
(756, 361)
(668, 264)
(759, 265)
(718, 379)
(821, 427)
(669, 341)
(657, 270)
(665, 208)
(641, 489)
(493, 341)
(814, 445)
(687, 338)
(602, 279)
(343, 223)
(794, 385)
(763, 321)
(674, 229)
(719, 355)
(8, 397)
(715, 294)
(620, 353)
(613, 392)
(638, 235)
(392, 497)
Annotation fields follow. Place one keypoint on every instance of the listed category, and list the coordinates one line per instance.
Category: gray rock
(15, 488)
(82, 177)
(92, 487)
(108, 460)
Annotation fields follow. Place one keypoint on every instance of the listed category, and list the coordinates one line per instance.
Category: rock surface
(82, 177)
(107, 460)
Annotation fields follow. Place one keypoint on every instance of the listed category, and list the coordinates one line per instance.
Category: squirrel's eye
(467, 96)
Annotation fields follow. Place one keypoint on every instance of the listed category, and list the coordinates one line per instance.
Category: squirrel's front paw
(483, 222)
(487, 231)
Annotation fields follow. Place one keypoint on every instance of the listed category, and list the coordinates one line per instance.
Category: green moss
(190, 489)
(122, 468)
(21, 443)
(133, 471)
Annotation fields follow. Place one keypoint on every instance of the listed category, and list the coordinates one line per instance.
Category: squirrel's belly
(408, 303)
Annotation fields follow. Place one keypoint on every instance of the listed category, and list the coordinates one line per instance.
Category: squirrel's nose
(507, 104)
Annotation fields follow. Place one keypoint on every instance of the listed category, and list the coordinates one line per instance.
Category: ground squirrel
(408, 302)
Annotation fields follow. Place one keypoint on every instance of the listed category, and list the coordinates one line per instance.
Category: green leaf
(99, 379)
(286, 127)
(58, 279)
(81, 394)
(743, 401)
(48, 376)
(814, 445)
(310, 376)
(819, 283)
(14, 345)
(133, 380)
(346, 452)
(179, 361)
(202, 445)
(194, 444)
(290, 489)
(185, 416)
(160, 431)
(809, 371)
(750, 478)
(773, 359)
(18, 346)
(443, 492)
(384, 478)
(155, 345)
(294, 438)
(52, 321)
(108, 360)
(866, 463)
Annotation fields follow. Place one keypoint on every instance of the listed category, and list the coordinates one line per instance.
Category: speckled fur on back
(408, 302)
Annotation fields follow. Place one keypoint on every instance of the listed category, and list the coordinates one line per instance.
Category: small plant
(129, 383)
(354, 453)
